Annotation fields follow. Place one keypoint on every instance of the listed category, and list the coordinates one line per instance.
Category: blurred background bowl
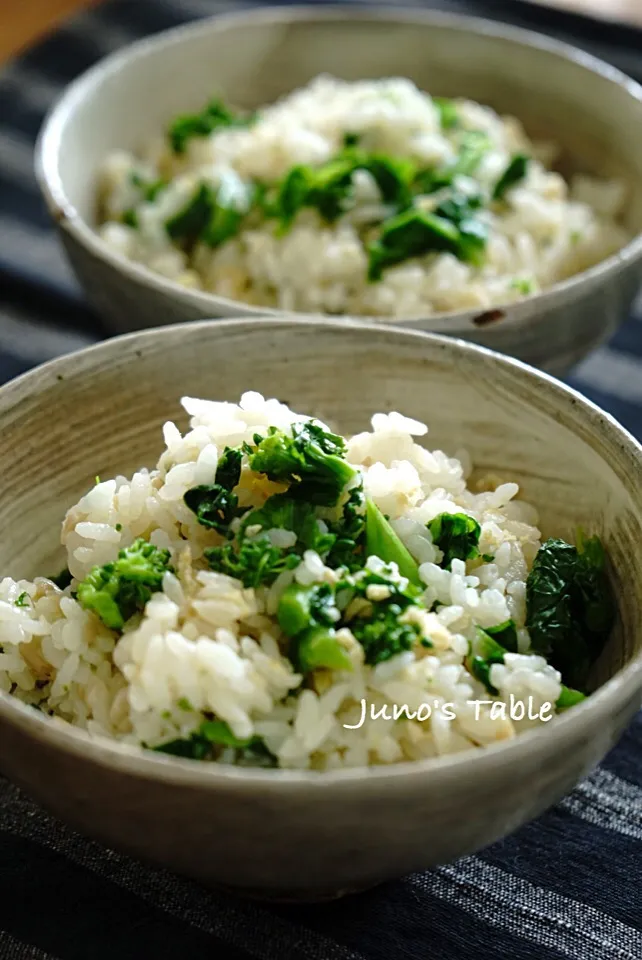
(293, 835)
(590, 109)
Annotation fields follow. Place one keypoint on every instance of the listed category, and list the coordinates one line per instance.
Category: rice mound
(545, 231)
(206, 645)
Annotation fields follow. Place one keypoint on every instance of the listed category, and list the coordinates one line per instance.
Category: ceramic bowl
(590, 109)
(304, 835)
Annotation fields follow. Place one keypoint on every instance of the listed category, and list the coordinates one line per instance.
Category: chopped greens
(474, 144)
(283, 512)
(486, 652)
(187, 225)
(349, 532)
(231, 203)
(505, 634)
(456, 535)
(569, 605)
(228, 468)
(212, 216)
(23, 600)
(514, 172)
(302, 607)
(523, 285)
(214, 506)
(415, 232)
(383, 542)
(319, 647)
(214, 116)
(568, 698)
(448, 113)
(383, 631)
(328, 188)
(149, 188)
(309, 458)
(307, 616)
(310, 616)
(130, 218)
(115, 591)
(253, 562)
(212, 735)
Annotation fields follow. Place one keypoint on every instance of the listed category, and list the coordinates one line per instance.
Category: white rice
(546, 231)
(206, 645)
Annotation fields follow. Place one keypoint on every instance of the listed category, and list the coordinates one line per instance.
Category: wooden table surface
(24, 21)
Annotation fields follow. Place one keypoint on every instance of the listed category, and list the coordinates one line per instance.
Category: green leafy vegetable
(217, 731)
(458, 206)
(231, 204)
(381, 630)
(283, 512)
(130, 218)
(23, 600)
(523, 285)
(415, 232)
(307, 616)
(448, 113)
(514, 172)
(149, 188)
(383, 542)
(349, 532)
(187, 225)
(62, 579)
(214, 506)
(228, 468)
(215, 115)
(410, 234)
(253, 562)
(328, 188)
(569, 605)
(486, 652)
(115, 591)
(319, 647)
(456, 535)
(202, 744)
(309, 458)
(211, 215)
(301, 607)
(474, 144)
(569, 698)
(505, 634)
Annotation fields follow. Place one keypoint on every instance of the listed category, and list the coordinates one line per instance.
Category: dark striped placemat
(565, 886)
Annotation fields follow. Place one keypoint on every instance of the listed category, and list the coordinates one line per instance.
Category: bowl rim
(57, 734)
(88, 83)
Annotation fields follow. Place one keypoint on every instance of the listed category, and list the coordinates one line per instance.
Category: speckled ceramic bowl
(305, 835)
(250, 58)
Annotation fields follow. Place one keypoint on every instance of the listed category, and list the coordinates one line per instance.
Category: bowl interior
(251, 59)
(100, 412)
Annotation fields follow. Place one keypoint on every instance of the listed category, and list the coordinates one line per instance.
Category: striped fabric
(566, 886)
